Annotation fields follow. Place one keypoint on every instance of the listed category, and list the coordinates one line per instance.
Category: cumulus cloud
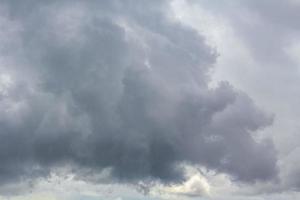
(265, 37)
(121, 86)
(196, 184)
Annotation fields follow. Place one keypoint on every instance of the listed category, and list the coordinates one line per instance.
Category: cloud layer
(118, 85)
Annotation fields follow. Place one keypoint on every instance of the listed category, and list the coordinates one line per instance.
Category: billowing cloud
(265, 37)
(120, 86)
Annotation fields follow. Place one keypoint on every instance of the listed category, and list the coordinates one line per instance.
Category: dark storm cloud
(119, 85)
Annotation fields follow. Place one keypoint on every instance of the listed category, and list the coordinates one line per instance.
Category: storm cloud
(119, 85)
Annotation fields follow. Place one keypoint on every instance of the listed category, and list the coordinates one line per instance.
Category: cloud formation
(265, 37)
(118, 85)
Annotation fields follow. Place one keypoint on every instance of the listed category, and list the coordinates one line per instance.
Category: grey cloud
(268, 30)
(120, 85)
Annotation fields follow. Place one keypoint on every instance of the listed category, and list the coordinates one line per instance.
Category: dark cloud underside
(119, 85)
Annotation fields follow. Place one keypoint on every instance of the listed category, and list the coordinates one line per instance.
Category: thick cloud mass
(119, 85)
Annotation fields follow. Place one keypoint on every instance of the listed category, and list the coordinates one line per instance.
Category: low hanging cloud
(118, 85)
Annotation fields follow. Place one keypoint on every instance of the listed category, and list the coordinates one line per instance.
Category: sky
(149, 100)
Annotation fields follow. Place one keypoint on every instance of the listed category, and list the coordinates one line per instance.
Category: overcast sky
(150, 100)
